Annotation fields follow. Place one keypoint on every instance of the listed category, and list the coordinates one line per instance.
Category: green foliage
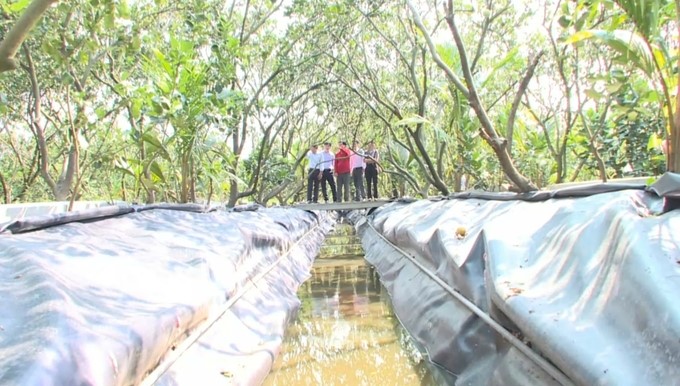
(205, 100)
(630, 46)
(626, 147)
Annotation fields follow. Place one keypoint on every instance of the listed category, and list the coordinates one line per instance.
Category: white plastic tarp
(102, 302)
(589, 283)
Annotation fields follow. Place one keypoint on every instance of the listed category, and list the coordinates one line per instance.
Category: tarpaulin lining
(455, 339)
(589, 283)
(220, 312)
(544, 195)
(555, 373)
(259, 319)
(101, 303)
(247, 208)
(667, 186)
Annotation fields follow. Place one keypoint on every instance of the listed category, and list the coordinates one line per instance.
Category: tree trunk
(62, 189)
(184, 183)
(150, 191)
(192, 180)
(233, 193)
(6, 190)
(673, 155)
(436, 180)
(123, 190)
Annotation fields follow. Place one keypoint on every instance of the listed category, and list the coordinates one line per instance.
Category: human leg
(340, 186)
(375, 185)
(343, 187)
(310, 181)
(331, 182)
(324, 191)
(369, 181)
(372, 180)
(357, 180)
(362, 191)
(315, 197)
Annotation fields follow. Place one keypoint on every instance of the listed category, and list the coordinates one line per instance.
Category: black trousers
(313, 185)
(328, 177)
(358, 177)
(371, 174)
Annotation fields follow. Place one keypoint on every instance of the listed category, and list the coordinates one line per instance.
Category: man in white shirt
(313, 174)
(328, 161)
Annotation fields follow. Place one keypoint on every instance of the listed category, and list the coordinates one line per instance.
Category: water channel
(345, 332)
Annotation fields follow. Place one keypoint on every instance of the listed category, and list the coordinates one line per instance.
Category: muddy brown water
(345, 332)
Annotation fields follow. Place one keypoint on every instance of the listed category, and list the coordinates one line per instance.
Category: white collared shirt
(315, 160)
(328, 160)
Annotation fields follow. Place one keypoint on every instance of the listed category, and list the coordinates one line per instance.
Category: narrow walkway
(351, 205)
(345, 332)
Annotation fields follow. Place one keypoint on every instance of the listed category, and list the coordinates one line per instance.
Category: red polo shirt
(342, 161)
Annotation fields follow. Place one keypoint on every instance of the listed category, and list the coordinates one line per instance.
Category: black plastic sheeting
(105, 297)
(589, 283)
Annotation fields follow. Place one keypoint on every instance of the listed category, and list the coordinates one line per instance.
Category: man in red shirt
(342, 171)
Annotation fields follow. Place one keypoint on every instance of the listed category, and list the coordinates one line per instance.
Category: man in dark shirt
(372, 158)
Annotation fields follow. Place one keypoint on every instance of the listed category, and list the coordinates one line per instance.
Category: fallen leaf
(461, 232)
(516, 291)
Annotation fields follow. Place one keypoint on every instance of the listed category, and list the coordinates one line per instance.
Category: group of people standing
(347, 164)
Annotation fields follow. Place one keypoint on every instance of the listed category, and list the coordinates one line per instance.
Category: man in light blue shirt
(313, 174)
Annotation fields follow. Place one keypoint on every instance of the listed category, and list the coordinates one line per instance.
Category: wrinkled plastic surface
(591, 283)
(101, 303)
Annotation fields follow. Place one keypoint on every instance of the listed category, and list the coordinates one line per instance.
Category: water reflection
(345, 332)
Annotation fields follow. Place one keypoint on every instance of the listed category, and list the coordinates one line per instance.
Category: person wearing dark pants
(372, 159)
(343, 171)
(357, 164)
(327, 172)
(313, 185)
(358, 180)
(327, 177)
(313, 174)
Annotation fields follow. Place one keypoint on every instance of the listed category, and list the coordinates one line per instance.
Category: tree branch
(19, 32)
(450, 75)
(35, 121)
(518, 99)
